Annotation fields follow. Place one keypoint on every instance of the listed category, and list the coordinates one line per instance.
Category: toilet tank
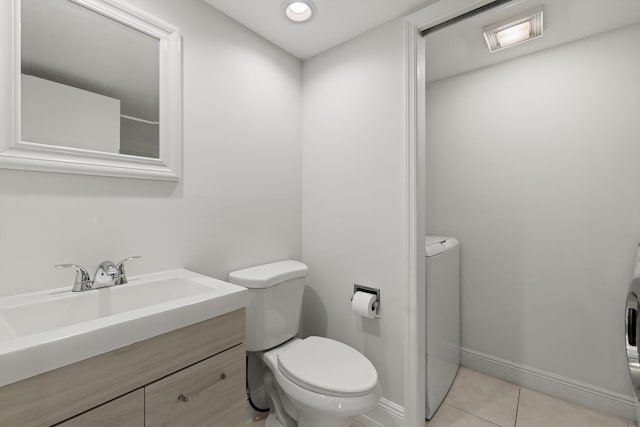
(275, 302)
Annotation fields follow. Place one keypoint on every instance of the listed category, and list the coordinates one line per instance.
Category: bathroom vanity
(191, 375)
(180, 378)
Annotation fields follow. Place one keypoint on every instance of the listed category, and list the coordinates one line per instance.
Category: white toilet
(311, 382)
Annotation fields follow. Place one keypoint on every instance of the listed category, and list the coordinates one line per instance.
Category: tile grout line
(472, 414)
(515, 422)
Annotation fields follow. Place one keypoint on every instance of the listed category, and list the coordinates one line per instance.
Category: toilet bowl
(311, 382)
(325, 381)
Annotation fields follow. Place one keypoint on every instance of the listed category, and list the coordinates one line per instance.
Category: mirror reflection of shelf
(139, 137)
(137, 119)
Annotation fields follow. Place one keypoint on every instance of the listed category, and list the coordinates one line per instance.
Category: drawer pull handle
(184, 398)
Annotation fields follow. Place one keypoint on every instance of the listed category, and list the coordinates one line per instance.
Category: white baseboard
(590, 396)
(386, 414)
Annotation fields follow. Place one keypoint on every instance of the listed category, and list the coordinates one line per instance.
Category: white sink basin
(73, 308)
(47, 330)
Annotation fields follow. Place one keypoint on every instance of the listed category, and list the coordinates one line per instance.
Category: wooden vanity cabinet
(125, 411)
(210, 393)
(190, 377)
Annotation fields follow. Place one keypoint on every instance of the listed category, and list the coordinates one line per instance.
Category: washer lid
(328, 367)
(435, 245)
(266, 275)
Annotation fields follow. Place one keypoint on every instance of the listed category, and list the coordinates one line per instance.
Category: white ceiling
(460, 48)
(453, 50)
(334, 22)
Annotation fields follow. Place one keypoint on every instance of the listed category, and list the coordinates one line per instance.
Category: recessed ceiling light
(515, 30)
(298, 10)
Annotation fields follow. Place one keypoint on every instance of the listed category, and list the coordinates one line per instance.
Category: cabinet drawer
(125, 411)
(207, 394)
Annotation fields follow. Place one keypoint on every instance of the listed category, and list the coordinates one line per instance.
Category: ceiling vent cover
(515, 30)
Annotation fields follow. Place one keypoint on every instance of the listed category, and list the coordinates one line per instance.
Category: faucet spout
(106, 275)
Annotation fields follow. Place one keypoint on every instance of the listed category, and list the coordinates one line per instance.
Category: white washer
(442, 274)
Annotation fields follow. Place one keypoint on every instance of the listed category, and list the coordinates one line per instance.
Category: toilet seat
(329, 367)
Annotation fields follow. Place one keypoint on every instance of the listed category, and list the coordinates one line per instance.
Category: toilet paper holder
(369, 290)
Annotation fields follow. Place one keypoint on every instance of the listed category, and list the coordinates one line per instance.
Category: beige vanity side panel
(208, 394)
(125, 411)
(58, 395)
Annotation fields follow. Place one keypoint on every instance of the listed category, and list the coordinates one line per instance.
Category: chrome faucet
(122, 274)
(82, 282)
(107, 274)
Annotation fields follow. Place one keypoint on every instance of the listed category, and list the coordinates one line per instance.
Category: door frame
(414, 154)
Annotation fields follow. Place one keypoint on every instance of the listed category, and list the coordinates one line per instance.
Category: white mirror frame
(25, 155)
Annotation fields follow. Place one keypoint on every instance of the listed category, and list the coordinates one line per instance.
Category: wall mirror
(97, 89)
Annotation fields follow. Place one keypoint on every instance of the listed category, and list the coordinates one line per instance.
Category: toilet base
(309, 420)
(272, 421)
(291, 416)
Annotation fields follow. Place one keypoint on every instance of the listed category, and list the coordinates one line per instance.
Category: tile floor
(479, 400)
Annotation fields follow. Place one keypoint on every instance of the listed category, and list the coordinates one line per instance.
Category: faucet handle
(83, 281)
(121, 271)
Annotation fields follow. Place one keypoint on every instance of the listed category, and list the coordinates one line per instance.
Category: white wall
(239, 203)
(533, 164)
(353, 195)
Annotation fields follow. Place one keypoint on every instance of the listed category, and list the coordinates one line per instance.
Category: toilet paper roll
(363, 304)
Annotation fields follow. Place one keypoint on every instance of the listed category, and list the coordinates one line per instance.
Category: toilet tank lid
(266, 275)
